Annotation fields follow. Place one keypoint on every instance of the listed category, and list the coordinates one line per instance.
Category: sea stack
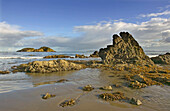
(125, 50)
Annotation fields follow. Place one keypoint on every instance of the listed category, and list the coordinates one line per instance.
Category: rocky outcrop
(4, 72)
(47, 96)
(135, 101)
(68, 103)
(41, 49)
(57, 56)
(125, 50)
(139, 81)
(95, 54)
(88, 88)
(48, 66)
(113, 96)
(162, 59)
(80, 56)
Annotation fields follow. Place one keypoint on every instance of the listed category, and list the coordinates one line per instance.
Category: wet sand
(154, 98)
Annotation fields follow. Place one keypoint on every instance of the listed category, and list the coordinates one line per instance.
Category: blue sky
(61, 20)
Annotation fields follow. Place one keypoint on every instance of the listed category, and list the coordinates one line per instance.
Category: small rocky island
(41, 49)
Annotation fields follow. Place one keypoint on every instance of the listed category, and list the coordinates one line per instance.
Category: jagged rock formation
(125, 50)
(48, 66)
(162, 59)
(41, 49)
(95, 54)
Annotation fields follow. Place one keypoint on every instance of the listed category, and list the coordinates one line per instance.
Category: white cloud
(167, 12)
(150, 34)
(164, 8)
(10, 34)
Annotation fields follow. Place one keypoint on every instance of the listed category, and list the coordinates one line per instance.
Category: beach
(154, 98)
(26, 89)
(84, 55)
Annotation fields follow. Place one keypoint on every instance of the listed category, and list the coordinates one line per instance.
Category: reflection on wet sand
(50, 82)
(39, 79)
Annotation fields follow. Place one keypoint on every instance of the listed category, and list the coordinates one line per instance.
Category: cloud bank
(156, 14)
(11, 34)
(151, 34)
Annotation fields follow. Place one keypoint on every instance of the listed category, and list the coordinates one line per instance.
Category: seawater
(20, 80)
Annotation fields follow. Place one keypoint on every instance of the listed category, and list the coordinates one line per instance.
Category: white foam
(152, 56)
(21, 57)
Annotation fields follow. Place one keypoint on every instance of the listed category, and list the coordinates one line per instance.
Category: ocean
(20, 80)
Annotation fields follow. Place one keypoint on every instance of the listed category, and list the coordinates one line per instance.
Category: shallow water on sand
(153, 97)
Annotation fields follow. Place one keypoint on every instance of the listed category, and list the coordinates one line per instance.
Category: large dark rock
(162, 59)
(125, 50)
(41, 49)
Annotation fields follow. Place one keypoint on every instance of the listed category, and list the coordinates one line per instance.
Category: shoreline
(30, 99)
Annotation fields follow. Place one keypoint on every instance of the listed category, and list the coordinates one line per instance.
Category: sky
(83, 24)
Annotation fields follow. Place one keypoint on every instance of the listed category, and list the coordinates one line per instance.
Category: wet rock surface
(88, 88)
(57, 56)
(162, 59)
(125, 50)
(47, 96)
(113, 96)
(140, 81)
(80, 56)
(107, 88)
(41, 49)
(48, 66)
(68, 103)
(135, 101)
(120, 97)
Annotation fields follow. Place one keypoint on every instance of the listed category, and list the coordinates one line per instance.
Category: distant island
(41, 49)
